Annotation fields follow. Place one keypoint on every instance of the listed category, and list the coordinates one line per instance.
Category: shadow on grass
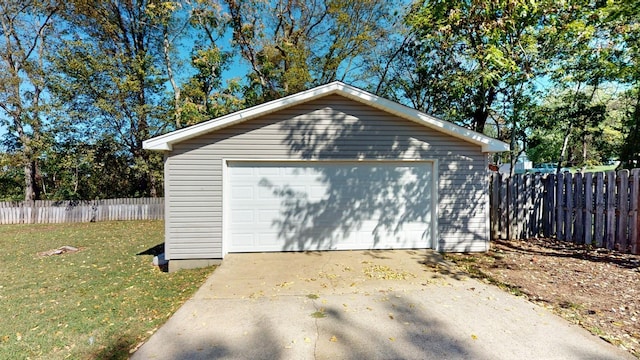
(117, 350)
(154, 251)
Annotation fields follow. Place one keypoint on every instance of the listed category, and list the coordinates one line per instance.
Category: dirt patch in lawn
(595, 288)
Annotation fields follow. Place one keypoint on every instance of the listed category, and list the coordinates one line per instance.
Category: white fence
(50, 211)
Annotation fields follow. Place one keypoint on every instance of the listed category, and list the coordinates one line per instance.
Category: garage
(330, 168)
(295, 206)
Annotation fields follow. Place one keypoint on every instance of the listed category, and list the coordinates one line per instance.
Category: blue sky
(238, 68)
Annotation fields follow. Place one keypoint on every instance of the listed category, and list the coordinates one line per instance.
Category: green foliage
(204, 97)
(592, 130)
(472, 57)
(83, 83)
(26, 28)
(11, 178)
(292, 45)
(119, 95)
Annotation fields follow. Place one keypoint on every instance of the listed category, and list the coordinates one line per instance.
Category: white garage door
(294, 206)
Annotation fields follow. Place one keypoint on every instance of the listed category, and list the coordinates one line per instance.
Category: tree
(11, 178)
(573, 128)
(473, 55)
(581, 79)
(624, 29)
(110, 77)
(292, 45)
(203, 94)
(27, 26)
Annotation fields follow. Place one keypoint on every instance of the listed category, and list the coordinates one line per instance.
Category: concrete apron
(361, 305)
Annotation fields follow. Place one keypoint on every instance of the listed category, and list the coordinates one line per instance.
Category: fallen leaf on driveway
(333, 339)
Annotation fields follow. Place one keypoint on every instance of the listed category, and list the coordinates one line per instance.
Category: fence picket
(610, 204)
(634, 192)
(511, 208)
(560, 234)
(520, 204)
(537, 200)
(504, 206)
(588, 208)
(578, 227)
(623, 210)
(550, 212)
(494, 199)
(599, 218)
(568, 207)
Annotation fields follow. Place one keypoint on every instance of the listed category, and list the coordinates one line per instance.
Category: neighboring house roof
(166, 141)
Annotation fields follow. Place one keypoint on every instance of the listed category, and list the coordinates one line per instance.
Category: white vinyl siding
(330, 128)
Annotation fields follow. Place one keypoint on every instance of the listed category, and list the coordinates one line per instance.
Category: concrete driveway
(362, 305)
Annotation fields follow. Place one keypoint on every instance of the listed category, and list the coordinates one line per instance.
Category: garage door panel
(244, 240)
(324, 206)
(242, 217)
(239, 192)
(268, 171)
(271, 240)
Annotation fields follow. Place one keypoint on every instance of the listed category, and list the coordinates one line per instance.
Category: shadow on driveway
(361, 305)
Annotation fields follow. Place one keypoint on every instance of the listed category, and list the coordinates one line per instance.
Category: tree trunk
(31, 191)
(166, 48)
(481, 113)
(153, 185)
(584, 147)
(565, 144)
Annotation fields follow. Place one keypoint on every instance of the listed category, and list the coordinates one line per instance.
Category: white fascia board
(165, 142)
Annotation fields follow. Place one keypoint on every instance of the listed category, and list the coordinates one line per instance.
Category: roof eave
(165, 142)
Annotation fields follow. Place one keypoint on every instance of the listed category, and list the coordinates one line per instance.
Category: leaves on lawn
(53, 305)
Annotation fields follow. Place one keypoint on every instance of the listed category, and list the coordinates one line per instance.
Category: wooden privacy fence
(49, 211)
(599, 209)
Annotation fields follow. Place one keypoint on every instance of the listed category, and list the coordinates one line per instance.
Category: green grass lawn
(97, 303)
(600, 168)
